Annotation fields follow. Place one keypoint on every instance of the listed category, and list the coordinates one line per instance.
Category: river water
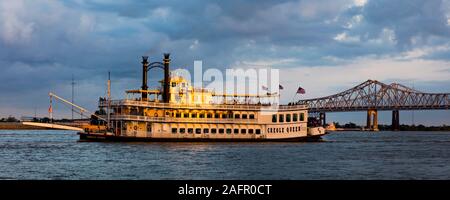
(47, 154)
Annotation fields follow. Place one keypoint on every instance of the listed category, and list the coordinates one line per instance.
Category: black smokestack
(144, 76)
(166, 62)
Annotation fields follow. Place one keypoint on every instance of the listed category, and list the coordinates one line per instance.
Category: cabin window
(216, 115)
(209, 115)
(174, 130)
(237, 116)
(250, 131)
(190, 130)
(224, 116)
(213, 131)
(149, 127)
(228, 130)
(174, 84)
(205, 130)
(302, 117)
(281, 116)
(221, 131)
(182, 130)
(202, 115)
(258, 131)
(178, 115)
(244, 116)
(236, 131)
(252, 116)
(243, 131)
(198, 130)
(274, 118)
(294, 117)
(288, 117)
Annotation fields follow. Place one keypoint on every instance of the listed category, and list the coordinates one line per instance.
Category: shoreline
(19, 126)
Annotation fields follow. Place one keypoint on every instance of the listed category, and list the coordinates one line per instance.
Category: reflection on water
(344, 155)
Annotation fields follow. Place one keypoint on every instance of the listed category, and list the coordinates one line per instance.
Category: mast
(109, 100)
(50, 110)
(73, 85)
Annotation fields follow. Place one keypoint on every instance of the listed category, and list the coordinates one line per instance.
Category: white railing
(171, 119)
(127, 102)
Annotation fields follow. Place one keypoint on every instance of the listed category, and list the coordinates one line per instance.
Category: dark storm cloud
(42, 43)
(409, 19)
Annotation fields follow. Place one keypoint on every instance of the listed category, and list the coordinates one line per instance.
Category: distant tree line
(347, 125)
(9, 119)
(35, 119)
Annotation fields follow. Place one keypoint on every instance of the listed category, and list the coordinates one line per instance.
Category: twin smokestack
(146, 66)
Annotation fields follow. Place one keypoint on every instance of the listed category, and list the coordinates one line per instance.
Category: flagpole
(294, 97)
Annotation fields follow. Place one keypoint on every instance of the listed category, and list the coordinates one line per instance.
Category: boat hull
(112, 138)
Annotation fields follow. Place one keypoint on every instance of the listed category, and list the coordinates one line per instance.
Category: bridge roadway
(372, 96)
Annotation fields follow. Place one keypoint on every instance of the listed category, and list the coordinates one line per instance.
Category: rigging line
(74, 110)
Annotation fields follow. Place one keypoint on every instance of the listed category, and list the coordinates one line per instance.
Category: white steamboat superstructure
(186, 113)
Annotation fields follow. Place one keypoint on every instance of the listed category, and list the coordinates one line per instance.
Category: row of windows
(282, 130)
(281, 117)
(215, 130)
(216, 115)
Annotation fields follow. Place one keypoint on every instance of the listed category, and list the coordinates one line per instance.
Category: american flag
(300, 90)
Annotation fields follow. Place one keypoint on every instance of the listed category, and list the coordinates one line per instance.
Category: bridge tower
(395, 120)
(372, 120)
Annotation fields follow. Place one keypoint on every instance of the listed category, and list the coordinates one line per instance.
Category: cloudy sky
(324, 46)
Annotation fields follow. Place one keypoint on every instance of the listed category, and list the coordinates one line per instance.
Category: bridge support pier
(395, 120)
(372, 120)
(322, 118)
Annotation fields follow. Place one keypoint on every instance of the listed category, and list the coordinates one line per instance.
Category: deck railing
(172, 119)
(127, 102)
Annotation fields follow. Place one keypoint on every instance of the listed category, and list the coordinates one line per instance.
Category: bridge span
(372, 96)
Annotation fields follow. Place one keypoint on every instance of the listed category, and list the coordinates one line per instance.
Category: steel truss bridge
(372, 96)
